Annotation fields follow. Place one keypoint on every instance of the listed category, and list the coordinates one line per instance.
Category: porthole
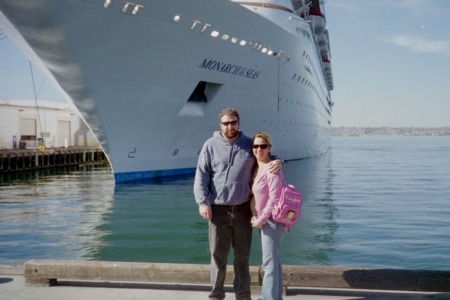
(176, 18)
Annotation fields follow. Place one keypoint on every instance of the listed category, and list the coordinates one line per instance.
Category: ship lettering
(242, 71)
(227, 68)
(224, 68)
(252, 74)
(236, 70)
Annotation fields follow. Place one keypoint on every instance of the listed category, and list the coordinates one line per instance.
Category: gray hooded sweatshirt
(224, 171)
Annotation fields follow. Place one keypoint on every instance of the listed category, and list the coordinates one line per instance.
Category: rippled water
(393, 201)
(369, 202)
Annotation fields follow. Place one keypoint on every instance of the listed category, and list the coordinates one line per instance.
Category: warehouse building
(29, 124)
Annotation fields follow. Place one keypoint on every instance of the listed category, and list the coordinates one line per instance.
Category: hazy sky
(390, 60)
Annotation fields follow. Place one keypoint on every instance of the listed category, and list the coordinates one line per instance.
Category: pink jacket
(267, 191)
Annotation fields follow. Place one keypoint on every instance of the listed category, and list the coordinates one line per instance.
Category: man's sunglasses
(232, 123)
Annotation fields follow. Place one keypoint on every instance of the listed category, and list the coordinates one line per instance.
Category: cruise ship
(151, 76)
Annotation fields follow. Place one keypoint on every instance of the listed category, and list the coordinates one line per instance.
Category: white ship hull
(131, 69)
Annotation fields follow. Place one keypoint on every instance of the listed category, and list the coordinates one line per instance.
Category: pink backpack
(289, 208)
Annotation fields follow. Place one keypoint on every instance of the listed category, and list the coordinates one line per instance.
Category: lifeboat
(322, 43)
(326, 65)
(317, 21)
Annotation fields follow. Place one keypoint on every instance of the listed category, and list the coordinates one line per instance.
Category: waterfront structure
(150, 77)
(29, 124)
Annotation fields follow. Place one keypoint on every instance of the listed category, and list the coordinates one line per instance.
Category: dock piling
(14, 160)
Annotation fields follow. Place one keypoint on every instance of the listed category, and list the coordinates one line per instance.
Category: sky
(390, 61)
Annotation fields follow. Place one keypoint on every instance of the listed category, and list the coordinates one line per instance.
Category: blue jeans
(271, 235)
(230, 226)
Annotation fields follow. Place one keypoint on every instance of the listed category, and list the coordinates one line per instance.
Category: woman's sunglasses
(262, 146)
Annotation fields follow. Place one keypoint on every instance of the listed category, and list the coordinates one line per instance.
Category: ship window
(225, 37)
(214, 33)
(107, 3)
(131, 8)
(176, 18)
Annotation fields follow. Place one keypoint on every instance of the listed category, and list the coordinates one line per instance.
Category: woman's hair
(264, 136)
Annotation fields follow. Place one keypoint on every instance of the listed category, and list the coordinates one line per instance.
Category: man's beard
(231, 134)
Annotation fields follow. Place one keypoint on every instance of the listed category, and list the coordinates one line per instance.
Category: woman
(267, 190)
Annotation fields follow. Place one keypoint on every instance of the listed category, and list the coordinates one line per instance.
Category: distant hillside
(392, 131)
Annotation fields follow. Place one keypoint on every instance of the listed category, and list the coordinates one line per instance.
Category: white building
(30, 124)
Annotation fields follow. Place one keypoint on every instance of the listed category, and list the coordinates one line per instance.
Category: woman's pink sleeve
(274, 184)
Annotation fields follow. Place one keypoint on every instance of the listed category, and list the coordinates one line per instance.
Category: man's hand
(275, 166)
(205, 211)
(256, 223)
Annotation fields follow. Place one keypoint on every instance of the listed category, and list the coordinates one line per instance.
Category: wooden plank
(378, 279)
(47, 272)
(11, 270)
(314, 276)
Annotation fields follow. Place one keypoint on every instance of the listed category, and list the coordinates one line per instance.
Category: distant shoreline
(390, 131)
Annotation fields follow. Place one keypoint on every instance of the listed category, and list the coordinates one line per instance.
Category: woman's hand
(256, 223)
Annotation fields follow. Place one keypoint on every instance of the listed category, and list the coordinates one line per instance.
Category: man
(222, 190)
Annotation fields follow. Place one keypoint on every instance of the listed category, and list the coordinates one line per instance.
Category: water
(376, 202)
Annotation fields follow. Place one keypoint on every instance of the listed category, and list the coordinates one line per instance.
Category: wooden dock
(48, 272)
(24, 159)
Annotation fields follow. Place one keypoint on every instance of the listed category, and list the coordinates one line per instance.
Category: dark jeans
(230, 226)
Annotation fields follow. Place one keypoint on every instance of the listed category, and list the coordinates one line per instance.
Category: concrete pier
(123, 280)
